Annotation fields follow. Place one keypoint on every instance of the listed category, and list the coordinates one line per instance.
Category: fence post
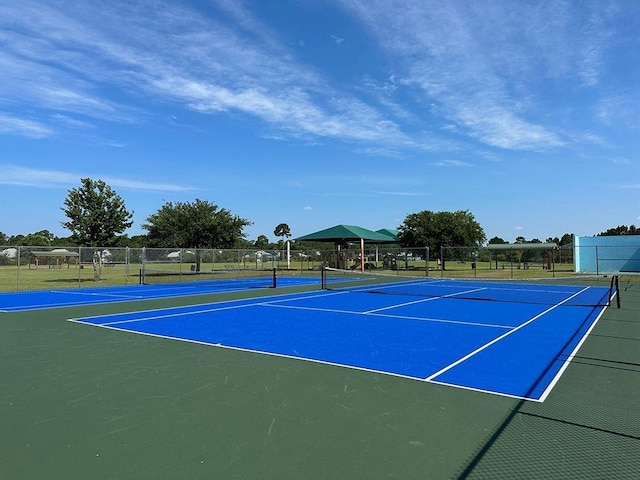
(426, 257)
(18, 270)
(79, 265)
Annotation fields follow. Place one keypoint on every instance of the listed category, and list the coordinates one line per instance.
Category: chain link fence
(25, 268)
(37, 268)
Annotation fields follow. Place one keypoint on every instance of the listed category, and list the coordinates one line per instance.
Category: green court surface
(82, 402)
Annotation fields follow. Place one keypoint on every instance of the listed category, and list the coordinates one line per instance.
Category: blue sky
(317, 113)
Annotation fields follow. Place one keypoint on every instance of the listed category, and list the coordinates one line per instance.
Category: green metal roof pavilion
(349, 233)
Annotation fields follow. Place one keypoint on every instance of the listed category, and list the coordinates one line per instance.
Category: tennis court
(367, 377)
(498, 346)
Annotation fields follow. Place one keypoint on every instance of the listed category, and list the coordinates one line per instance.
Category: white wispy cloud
(70, 121)
(480, 62)
(464, 68)
(148, 186)
(89, 55)
(452, 163)
(402, 194)
(41, 178)
(10, 124)
(619, 109)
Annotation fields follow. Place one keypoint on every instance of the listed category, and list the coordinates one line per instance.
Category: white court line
(275, 303)
(260, 352)
(481, 390)
(195, 311)
(383, 315)
(94, 294)
(441, 320)
(182, 314)
(280, 355)
(495, 340)
(570, 358)
(425, 300)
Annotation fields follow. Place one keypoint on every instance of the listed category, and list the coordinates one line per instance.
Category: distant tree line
(97, 216)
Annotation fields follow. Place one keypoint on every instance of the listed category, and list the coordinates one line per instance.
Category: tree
(440, 229)
(16, 239)
(262, 242)
(566, 239)
(282, 230)
(38, 239)
(497, 241)
(3, 239)
(96, 214)
(200, 224)
(621, 230)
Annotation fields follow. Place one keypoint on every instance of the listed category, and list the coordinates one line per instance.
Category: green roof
(390, 232)
(341, 233)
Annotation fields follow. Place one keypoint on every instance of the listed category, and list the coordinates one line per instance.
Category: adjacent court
(60, 298)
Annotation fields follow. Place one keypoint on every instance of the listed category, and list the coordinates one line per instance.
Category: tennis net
(545, 291)
(225, 279)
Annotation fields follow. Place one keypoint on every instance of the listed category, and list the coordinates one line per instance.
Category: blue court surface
(516, 349)
(42, 299)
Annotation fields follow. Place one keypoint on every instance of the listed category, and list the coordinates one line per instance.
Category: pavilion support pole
(362, 254)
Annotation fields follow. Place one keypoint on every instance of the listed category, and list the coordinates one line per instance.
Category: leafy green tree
(621, 230)
(200, 224)
(3, 239)
(38, 239)
(96, 214)
(566, 239)
(262, 242)
(136, 241)
(62, 241)
(282, 231)
(46, 235)
(16, 239)
(441, 229)
(497, 241)
(245, 244)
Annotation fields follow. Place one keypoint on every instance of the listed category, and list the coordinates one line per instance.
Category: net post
(323, 278)
(275, 277)
(618, 291)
